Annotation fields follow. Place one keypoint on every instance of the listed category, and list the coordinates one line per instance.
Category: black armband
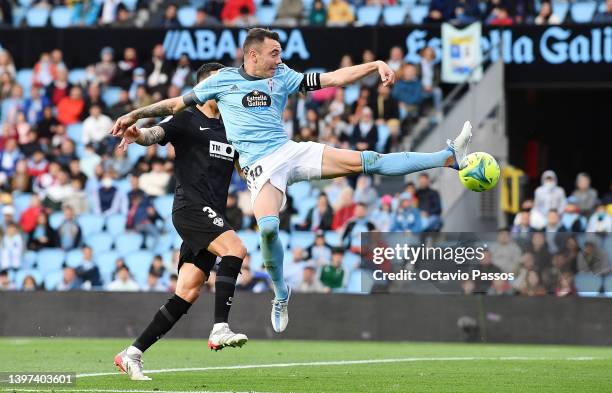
(311, 81)
(190, 99)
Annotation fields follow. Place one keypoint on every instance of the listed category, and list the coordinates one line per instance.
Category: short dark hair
(206, 69)
(258, 35)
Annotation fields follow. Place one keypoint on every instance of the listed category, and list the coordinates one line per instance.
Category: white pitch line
(123, 391)
(347, 362)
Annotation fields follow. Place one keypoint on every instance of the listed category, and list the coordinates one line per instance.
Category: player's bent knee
(268, 227)
(190, 294)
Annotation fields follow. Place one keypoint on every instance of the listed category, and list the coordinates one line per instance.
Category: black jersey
(204, 159)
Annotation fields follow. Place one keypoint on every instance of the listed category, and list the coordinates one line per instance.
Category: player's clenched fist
(386, 73)
(130, 135)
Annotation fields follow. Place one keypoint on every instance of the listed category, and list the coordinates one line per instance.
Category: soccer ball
(480, 173)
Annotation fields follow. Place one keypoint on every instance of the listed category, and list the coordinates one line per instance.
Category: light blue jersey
(251, 108)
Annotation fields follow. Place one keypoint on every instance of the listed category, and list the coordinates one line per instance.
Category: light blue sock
(397, 164)
(272, 253)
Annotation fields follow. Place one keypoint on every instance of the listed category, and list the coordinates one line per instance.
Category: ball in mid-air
(480, 173)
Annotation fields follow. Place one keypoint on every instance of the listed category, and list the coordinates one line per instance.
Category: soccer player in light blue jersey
(251, 100)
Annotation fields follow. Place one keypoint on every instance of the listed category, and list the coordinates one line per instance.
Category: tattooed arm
(142, 136)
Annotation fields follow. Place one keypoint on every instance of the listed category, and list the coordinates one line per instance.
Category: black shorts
(198, 226)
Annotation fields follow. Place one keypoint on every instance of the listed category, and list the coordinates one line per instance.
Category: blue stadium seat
(53, 279)
(284, 238)
(332, 238)
(28, 260)
(299, 191)
(74, 258)
(359, 282)
(99, 242)
(19, 14)
(21, 201)
(115, 224)
(588, 284)
(110, 95)
(90, 224)
(383, 135)
(302, 239)
(139, 263)
(56, 219)
(37, 17)
(418, 13)
(608, 247)
(304, 206)
(134, 152)
(176, 242)
(369, 15)
(351, 94)
(50, 259)
(583, 11)
(256, 261)
(61, 17)
(250, 240)
(350, 261)
(77, 75)
(128, 242)
(186, 16)
(265, 15)
(163, 205)
(163, 244)
(24, 78)
(130, 4)
(394, 15)
(106, 263)
(75, 132)
(23, 273)
(560, 8)
(607, 285)
(25, 3)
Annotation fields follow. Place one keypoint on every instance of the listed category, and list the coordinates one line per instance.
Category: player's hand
(130, 135)
(122, 124)
(386, 74)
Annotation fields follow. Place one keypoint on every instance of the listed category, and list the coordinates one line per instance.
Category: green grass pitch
(316, 366)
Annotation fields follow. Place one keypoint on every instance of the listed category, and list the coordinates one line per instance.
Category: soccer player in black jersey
(203, 169)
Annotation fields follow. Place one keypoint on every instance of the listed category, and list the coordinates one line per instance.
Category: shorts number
(252, 174)
(211, 213)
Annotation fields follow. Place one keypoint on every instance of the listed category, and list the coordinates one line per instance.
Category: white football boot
(131, 365)
(460, 145)
(280, 313)
(221, 336)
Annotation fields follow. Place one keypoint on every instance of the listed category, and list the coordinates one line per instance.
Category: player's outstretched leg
(396, 164)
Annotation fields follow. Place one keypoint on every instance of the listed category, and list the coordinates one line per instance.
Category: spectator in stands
(396, 58)
(9, 158)
(74, 170)
(371, 80)
(486, 266)
(69, 108)
(182, 75)
(169, 19)
(332, 275)
(42, 234)
(70, 281)
(155, 182)
(29, 284)
(157, 70)
(7, 82)
(365, 133)
(505, 253)
(8, 213)
(429, 203)
(106, 68)
(12, 247)
(66, 153)
(571, 220)
(565, 285)
(173, 280)
(351, 237)
(88, 272)
(385, 106)
(233, 213)
(29, 216)
(555, 232)
(124, 17)
(58, 192)
(407, 218)
(604, 17)
(600, 221)
(539, 249)
(59, 88)
(119, 263)
(468, 287)
(466, 12)
(318, 14)
(320, 253)
(585, 196)
(77, 199)
(533, 285)
(6, 63)
(46, 126)
(549, 195)
(500, 17)
(93, 97)
(21, 181)
(108, 200)
(118, 163)
(123, 105)
(344, 208)
(521, 228)
(520, 277)
(12, 105)
(34, 106)
(5, 283)
(142, 216)
(571, 250)
(310, 283)
(245, 19)
(44, 71)
(157, 267)
(365, 193)
(382, 217)
(339, 13)
(233, 10)
(108, 12)
(320, 217)
(95, 128)
(203, 19)
(429, 73)
(89, 161)
(408, 91)
(546, 16)
(154, 284)
(289, 12)
(551, 276)
(69, 231)
(123, 282)
(434, 16)
(125, 72)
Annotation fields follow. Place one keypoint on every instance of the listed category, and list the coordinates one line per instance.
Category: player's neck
(208, 111)
(250, 70)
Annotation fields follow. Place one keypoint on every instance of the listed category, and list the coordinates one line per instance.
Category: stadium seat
(61, 17)
(560, 8)
(110, 95)
(99, 242)
(18, 16)
(177, 241)
(106, 263)
(163, 205)
(75, 132)
(74, 258)
(256, 261)
(56, 219)
(128, 242)
(37, 17)
(418, 13)
(588, 284)
(163, 244)
(394, 15)
(28, 260)
(25, 3)
(383, 135)
(53, 279)
(351, 261)
(23, 273)
(115, 224)
(583, 11)
(77, 75)
(134, 152)
(21, 201)
(90, 224)
(359, 282)
(130, 4)
(50, 259)
(332, 238)
(369, 15)
(250, 240)
(24, 78)
(302, 239)
(299, 191)
(266, 15)
(139, 263)
(351, 94)
(186, 16)
(607, 285)
(284, 238)
(304, 206)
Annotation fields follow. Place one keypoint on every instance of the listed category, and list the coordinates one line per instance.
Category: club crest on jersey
(218, 221)
(221, 150)
(256, 100)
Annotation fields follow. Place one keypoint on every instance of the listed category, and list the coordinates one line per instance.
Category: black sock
(162, 322)
(225, 284)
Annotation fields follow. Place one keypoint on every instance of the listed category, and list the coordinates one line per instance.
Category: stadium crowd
(243, 13)
(79, 214)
